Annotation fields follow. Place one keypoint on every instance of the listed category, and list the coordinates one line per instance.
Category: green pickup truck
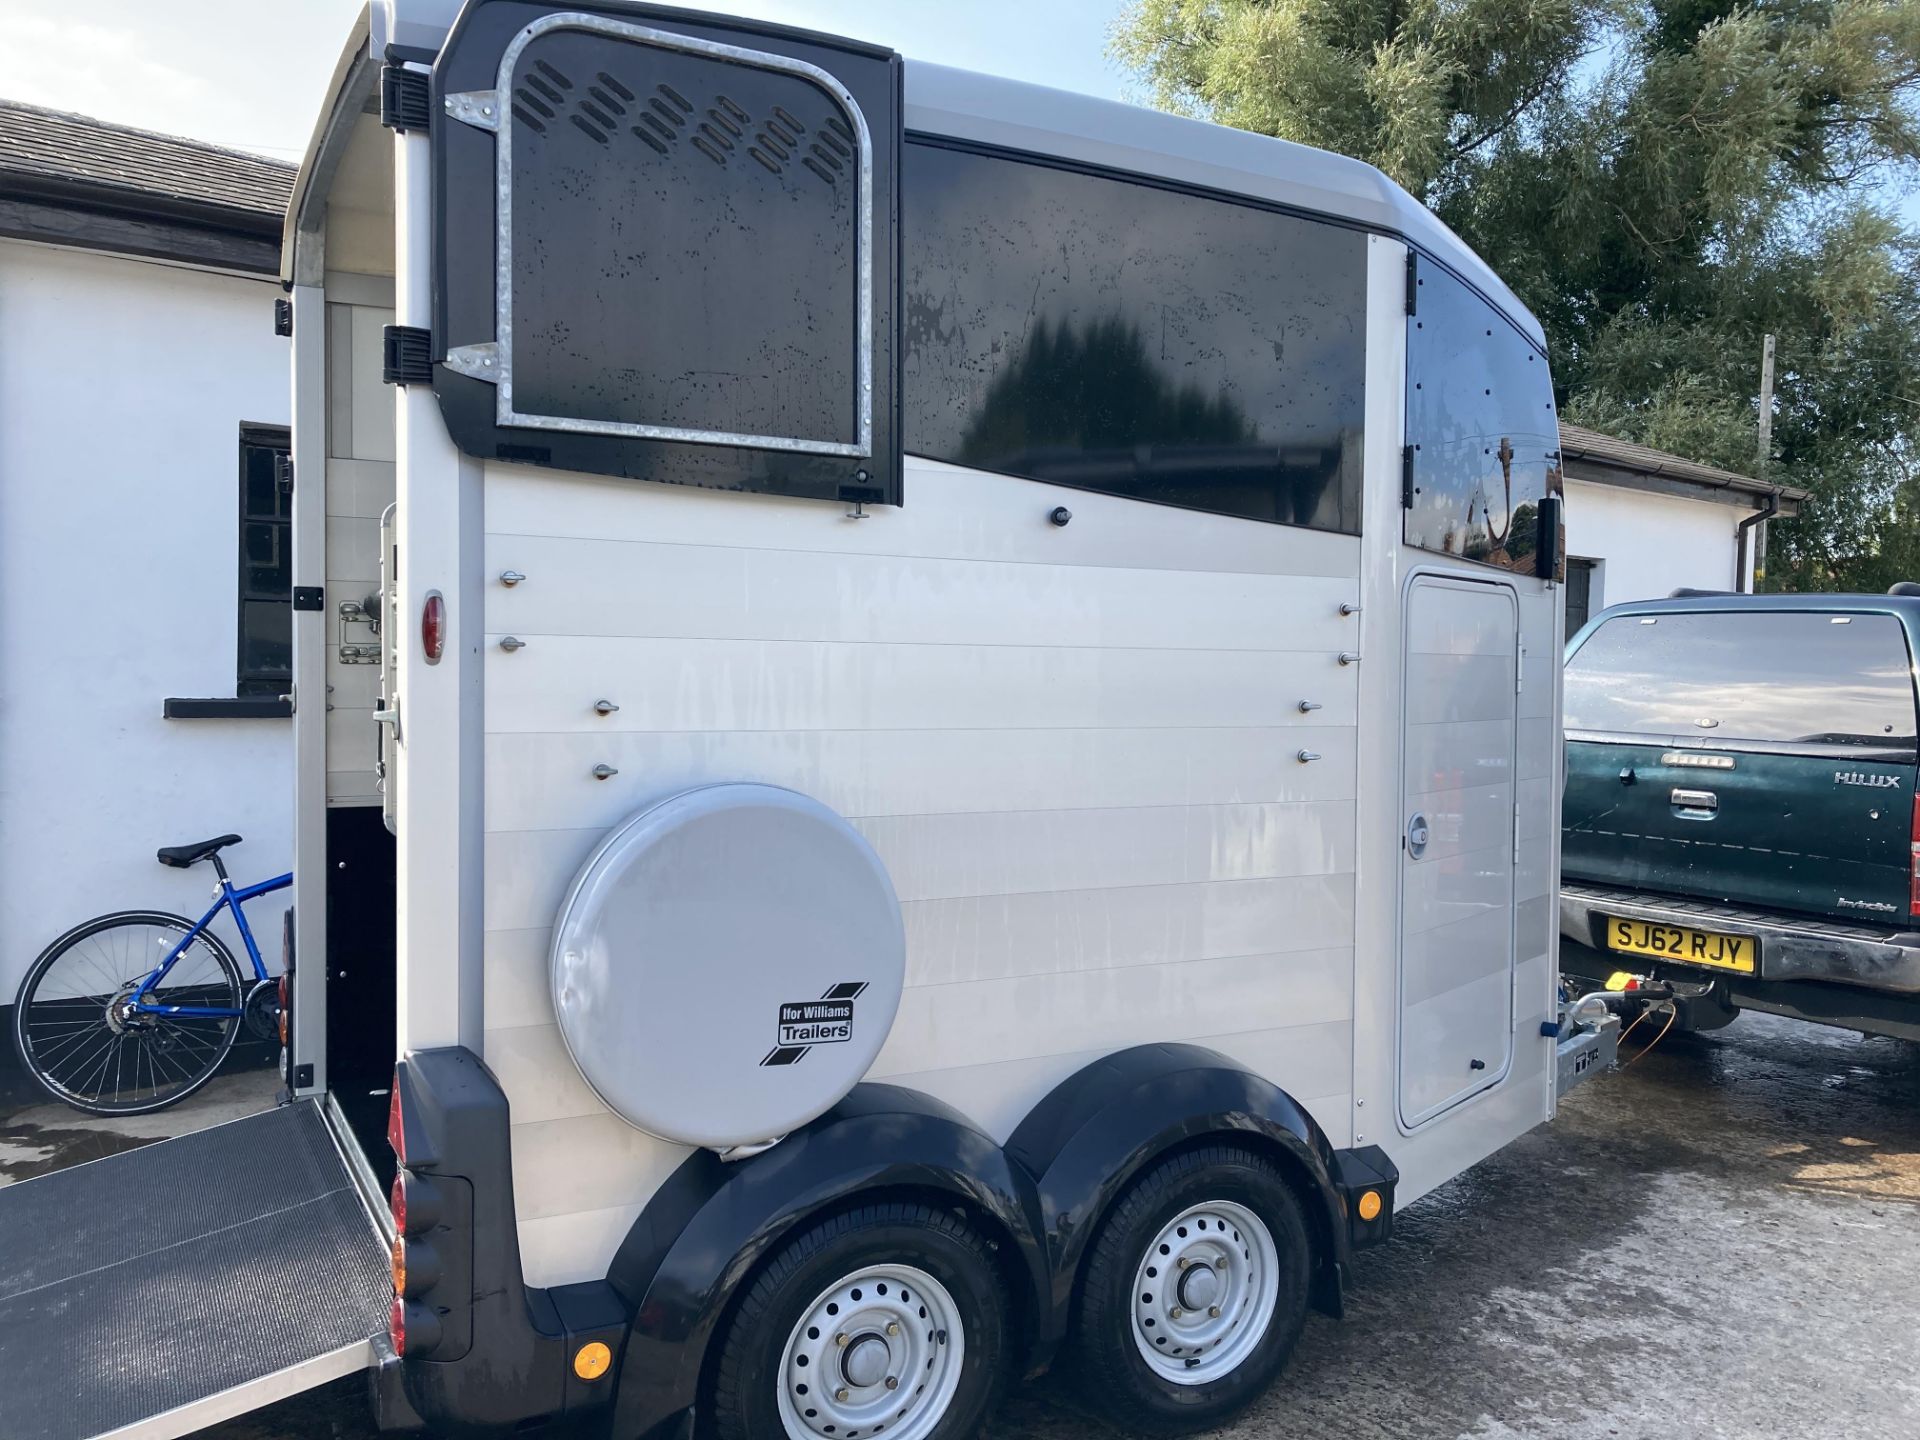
(1740, 805)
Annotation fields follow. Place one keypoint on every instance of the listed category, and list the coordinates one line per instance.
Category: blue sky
(249, 73)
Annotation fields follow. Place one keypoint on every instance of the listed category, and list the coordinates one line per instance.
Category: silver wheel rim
(876, 1353)
(1204, 1293)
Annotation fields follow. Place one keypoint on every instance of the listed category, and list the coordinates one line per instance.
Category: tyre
(79, 1037)
(888, 1320)
(1195, 1292)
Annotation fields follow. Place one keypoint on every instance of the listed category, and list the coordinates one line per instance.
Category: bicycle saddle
(182, 856)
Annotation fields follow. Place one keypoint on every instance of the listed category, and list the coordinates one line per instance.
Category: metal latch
(354, 649)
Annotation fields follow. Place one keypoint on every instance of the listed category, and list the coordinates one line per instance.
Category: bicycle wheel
(77, 1031)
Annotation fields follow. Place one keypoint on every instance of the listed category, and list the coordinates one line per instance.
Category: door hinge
(1516, 834)
(406, 98)
(1413, 282)
(406, 355)
(309, 597)
(283, 473)
(1406, 477)
(283, 316)
(1519, 666)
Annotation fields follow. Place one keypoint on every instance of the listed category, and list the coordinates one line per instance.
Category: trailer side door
(1457, 852)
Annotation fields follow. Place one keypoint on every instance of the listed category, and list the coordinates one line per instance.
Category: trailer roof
(989, 110)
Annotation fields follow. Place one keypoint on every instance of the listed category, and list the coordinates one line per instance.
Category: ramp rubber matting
(147, 1281)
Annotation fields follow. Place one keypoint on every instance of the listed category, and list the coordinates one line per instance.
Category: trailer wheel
(888, 1320)
(1196, 1289)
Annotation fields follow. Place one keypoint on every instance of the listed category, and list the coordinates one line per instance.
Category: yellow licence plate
(1693, 947)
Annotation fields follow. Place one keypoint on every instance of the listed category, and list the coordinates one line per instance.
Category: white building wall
(1651, 544)
(123, 385)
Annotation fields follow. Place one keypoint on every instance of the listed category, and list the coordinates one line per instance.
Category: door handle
(1693, 799)
(1418, 834)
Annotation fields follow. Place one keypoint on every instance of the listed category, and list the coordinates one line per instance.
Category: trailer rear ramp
(156, 1292)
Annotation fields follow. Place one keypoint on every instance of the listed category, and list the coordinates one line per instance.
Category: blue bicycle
(134, 1011)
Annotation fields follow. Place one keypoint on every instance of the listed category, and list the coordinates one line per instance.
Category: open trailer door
(154, 1293)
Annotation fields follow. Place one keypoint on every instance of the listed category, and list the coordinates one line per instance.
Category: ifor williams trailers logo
(804, 1024)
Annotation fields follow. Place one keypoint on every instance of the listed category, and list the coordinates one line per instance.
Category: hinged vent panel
(669, 252)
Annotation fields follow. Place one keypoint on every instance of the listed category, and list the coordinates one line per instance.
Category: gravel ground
(1721, 1241)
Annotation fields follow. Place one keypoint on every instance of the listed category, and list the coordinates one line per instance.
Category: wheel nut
(893, 1327)
(892, 1383)
(1214, 1311)
(1183, 1262)
(840, 1339)
(840, 1394)
(1174, 1313)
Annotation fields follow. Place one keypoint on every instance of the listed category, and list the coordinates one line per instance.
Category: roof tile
(55, 145)
(1577, 442)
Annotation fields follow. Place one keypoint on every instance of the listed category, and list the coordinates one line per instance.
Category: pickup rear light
(1913, 898)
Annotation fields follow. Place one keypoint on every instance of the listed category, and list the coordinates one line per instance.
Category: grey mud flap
(156, 1292)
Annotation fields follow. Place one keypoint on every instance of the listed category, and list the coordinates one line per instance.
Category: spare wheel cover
(727, 964)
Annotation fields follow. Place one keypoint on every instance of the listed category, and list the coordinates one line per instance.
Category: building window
(1114, 335)
(266, 565)
(1583, 589)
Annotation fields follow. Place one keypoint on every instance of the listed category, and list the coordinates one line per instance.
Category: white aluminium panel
(1076, 750)
(1458, 857)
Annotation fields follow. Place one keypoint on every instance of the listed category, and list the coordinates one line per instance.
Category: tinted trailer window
(1484, 445)
(1118, 336)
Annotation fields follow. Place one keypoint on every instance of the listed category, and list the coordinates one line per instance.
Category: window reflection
(1115, 336)
(1480, 419)
(1772, 676)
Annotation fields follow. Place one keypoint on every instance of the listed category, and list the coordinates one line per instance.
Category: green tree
(1663, 183)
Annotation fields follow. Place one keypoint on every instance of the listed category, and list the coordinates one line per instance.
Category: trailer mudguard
(1105, 1123)
(713, 1221)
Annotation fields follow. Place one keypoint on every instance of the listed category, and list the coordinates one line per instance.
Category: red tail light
(407, 1320)
(286, 998)
(416, 1203)
(433, 627)
(396, 1129)
(1913, 901)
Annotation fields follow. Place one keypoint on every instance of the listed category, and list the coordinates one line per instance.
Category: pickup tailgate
(1761, 758)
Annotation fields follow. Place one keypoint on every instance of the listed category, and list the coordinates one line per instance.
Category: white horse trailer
(927, 718)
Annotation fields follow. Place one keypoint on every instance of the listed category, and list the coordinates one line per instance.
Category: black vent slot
(406, 355)
(406, 98)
